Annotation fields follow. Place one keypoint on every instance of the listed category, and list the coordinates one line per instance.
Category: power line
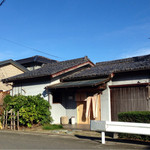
(2, 2)
(25, 46)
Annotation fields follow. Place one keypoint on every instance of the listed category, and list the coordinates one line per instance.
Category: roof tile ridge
(73, 59)
(35, 58)
(87, 58)
(60, 62)
(130, 59)
(43, 57)
(8, 60)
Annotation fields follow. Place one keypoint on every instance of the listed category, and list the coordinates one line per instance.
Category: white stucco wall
(105, 105)
(67, 108)
(57, 110)
(33, 67)
(130, 79)
(31, 88)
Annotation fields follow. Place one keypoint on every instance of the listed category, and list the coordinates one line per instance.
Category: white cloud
(127, 31)
(139, 52)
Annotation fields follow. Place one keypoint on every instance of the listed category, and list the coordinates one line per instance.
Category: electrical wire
(25, 46)
(2, 2)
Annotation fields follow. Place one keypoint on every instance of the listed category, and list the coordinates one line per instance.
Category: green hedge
(135, 116)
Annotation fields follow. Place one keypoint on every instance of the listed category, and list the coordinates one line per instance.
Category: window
(57, 97)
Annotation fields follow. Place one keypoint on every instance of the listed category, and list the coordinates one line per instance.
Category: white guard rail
(119, 127)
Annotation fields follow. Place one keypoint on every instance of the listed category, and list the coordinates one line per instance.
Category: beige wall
(6, 71)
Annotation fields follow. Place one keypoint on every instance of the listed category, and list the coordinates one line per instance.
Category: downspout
(109, 93)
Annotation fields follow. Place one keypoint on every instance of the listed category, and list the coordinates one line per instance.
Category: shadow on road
(123, 141)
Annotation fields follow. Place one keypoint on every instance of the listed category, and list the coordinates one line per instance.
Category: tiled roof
(84, 83)
(115, 66)
(37, 58)
(49, 69)
(10, 61)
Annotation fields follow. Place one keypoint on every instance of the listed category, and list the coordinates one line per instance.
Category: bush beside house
(32, 109)
(135, 116)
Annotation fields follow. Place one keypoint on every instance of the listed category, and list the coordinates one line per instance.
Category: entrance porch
(78, 99)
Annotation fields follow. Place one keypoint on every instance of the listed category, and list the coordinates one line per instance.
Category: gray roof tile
(48, 69)
(115, 66)
(37, 58)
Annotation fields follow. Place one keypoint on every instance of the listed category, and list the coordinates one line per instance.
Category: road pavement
(25, 140)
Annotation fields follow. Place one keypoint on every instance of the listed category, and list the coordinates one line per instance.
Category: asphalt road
(13, 140)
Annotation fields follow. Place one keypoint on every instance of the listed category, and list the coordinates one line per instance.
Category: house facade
(80, 99)
(35, 82)
(127, 89)
(78, 88)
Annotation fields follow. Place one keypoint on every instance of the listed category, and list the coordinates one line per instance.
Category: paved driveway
(20, 140)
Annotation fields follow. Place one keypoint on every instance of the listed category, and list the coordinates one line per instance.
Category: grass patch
(52, 127)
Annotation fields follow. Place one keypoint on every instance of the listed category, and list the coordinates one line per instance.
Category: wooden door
(81, 109)
(125, 99)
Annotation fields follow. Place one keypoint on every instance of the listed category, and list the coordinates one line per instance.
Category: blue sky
(101, 29)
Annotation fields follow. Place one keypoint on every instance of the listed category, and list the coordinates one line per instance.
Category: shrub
(135, 116)
(32, 109)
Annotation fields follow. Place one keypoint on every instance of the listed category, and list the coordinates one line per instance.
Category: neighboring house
(35, 62)
(86, 91)
(34, 82)
(8, 68)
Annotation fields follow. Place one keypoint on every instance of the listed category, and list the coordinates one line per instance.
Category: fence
(120, 127)
(10, 120)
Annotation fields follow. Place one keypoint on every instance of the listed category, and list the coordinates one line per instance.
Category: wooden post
(103, 137)
(4, 119)
(18, 120)
(14, 119)
(11, 122)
